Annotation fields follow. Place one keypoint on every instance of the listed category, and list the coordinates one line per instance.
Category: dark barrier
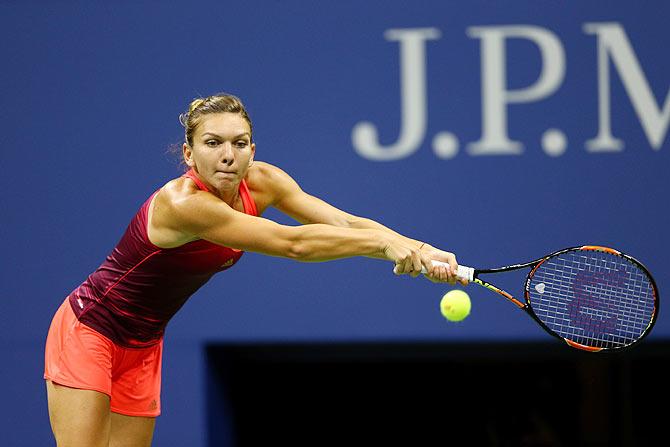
(429, 394)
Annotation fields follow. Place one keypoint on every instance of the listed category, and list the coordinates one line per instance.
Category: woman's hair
(218, 103)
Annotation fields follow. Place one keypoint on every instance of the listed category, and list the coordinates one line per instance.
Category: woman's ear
(253, 153)
(188, 155)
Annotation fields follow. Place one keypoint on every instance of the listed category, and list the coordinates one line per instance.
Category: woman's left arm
(291, 200)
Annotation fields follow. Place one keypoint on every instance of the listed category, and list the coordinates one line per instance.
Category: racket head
(594, 298)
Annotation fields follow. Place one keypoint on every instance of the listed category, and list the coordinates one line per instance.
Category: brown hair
(219, 103)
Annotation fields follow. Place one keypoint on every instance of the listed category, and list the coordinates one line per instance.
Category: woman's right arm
(191, 215)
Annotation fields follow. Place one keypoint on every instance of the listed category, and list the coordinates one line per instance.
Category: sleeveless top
(139, 287)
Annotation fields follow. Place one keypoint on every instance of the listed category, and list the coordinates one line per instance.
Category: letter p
(496, 97)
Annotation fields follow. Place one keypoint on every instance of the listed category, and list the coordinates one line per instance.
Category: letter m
(612, 42)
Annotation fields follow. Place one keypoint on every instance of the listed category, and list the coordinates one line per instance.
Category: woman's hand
(409, 259)
(442, 273)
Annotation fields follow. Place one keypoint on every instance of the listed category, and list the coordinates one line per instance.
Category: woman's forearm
(321, 242)
(365, 223)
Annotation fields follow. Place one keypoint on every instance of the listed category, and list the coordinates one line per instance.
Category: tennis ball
(455, 305)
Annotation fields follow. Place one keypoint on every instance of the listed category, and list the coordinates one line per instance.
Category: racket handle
(463, 272)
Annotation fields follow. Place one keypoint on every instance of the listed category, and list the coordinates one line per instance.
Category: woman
(103, 354)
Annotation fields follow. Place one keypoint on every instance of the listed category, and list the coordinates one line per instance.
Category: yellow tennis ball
(455, 305)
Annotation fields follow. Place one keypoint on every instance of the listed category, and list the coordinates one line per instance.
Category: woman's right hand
(409, 260)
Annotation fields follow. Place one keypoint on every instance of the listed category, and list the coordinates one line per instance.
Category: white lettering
(612, 45)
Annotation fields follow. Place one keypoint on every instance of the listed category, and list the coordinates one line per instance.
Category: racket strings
(594, 298)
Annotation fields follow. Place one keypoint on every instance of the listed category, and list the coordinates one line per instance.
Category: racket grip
(463, 272)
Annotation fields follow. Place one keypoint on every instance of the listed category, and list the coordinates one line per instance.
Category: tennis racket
(594, 298)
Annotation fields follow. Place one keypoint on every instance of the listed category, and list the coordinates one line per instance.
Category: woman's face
(222, 150)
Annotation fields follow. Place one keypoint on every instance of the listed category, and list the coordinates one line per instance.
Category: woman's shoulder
(265, 175)
(262, 169)
(176, 191)
(268, 183)
(179, 186)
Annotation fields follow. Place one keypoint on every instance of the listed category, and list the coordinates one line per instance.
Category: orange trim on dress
(245, 194)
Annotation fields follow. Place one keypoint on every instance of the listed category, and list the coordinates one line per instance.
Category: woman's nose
(227, 155)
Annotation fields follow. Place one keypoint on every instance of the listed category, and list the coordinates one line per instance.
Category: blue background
(90, 99)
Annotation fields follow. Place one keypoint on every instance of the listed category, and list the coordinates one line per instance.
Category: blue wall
(552, 146)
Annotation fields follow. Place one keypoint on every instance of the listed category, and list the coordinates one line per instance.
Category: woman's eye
(241, 144)
(212, 143)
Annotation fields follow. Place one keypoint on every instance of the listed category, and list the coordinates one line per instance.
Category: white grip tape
(465, 272)
(462, 272)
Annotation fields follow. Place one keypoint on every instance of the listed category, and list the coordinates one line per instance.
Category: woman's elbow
(293, 245)
(296, 251)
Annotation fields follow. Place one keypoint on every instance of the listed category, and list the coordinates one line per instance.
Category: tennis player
(104, 347)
